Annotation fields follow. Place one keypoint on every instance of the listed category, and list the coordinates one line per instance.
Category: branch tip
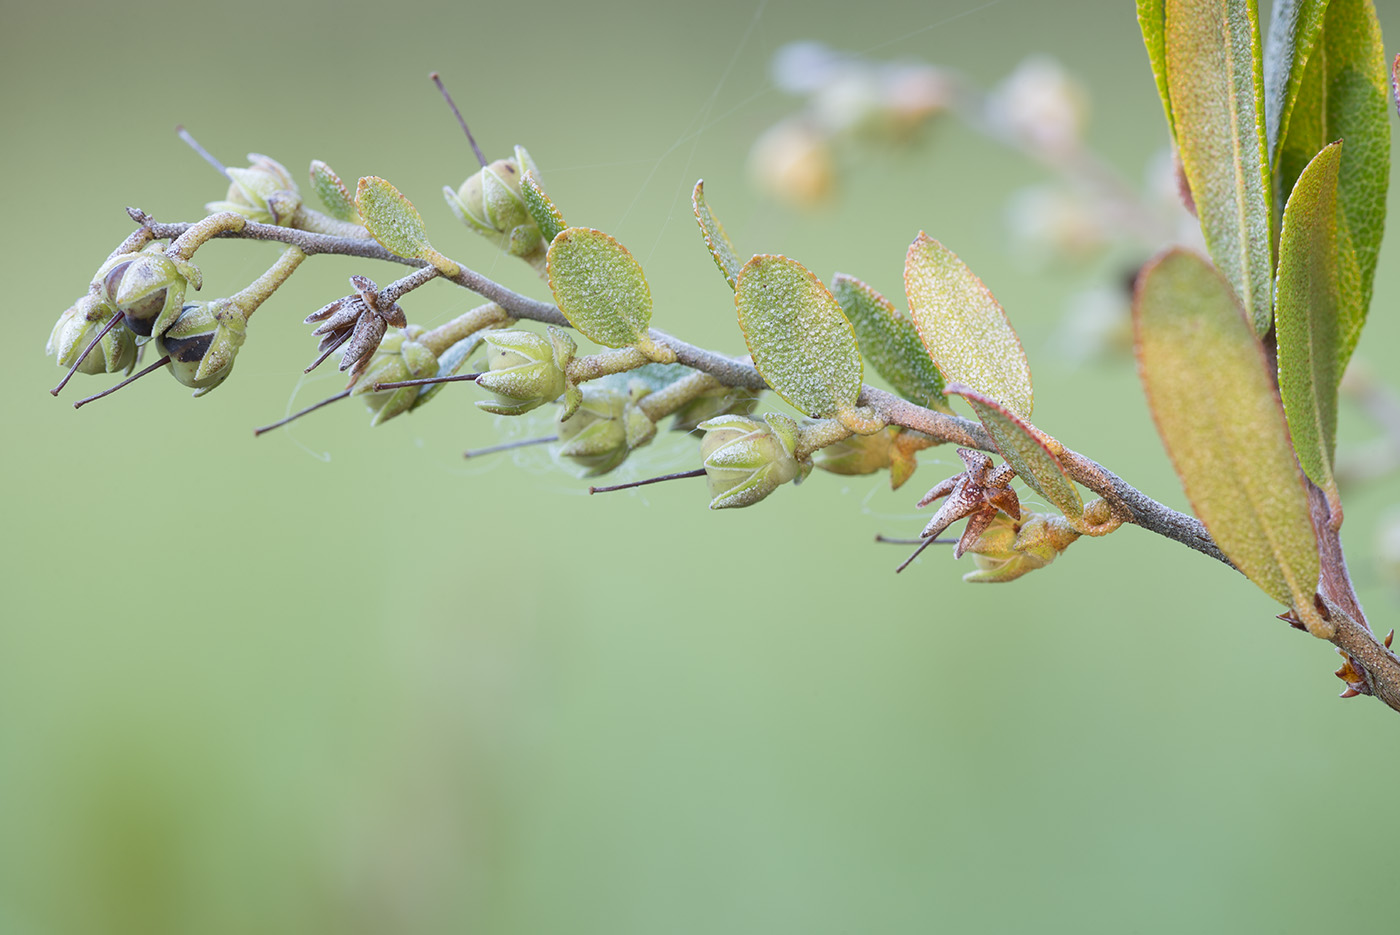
(458, 114)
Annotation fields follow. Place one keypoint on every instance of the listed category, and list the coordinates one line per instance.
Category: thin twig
(509, 446)
(297, 415)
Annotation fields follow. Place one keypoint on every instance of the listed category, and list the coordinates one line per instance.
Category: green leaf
(1211, 394)
(332, 192)
(391, 218)
(1152, 20)
(963, 328)
(721, 247)
(1308, 306)
(800, 341)
(1294, 28)
(1215, 78)
(599, 286)
(1345, 95)
(1026, 449)
(888, 340)
(547, 217)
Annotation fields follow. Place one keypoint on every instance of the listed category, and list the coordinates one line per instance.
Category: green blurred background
(340, 680)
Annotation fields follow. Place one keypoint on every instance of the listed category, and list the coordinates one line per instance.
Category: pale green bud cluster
(401, 356)
(607, 427)
(745, 460)
(75, 330)
(490, 203)
(526, 370)
(264, 192)
(203, 342)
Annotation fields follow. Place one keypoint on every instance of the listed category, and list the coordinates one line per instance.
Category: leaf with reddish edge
(800, 341)
(391, 218)
(599, 286)
(720, 246)
(963, 328)
(332, 192)
(548, 218)
(1211, 394)
(1026, 449)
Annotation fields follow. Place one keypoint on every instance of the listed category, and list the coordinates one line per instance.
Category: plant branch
(1136, 506)
(1378, 667)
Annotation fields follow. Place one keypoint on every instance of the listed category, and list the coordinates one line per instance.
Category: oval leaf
(1215, 78)
(800, 341)
(1308, 304)
(963, 328)
(547, 217)
(391, 218)
(1345, 96)
(1214, 403)
(599, 286)
(888, 340)
(332, 192)
(721, 247)
(1025, 448)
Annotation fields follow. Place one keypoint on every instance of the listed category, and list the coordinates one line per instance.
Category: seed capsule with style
(76, 328)
(203, 342)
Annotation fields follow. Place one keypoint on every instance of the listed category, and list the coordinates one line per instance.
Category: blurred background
(341, 680)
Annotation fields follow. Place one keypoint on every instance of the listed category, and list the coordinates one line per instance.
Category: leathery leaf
(1345, 95)
(1308, 308)
(1216, 82)
(1209, 388)
(718, 242)
(888, 341)
(800, 341)
(1026, 449)
(391, 218)
(599, 286)
(963, 328)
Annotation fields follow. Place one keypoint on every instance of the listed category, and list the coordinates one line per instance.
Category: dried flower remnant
(978, 493)
(361, 319)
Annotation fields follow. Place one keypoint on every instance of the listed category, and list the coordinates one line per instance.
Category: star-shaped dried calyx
(358, 321)
(978, 493)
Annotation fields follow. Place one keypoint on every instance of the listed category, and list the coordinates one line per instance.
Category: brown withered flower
(978, 493)
(361, 319)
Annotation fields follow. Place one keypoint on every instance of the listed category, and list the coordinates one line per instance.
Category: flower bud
(1009, 548)
(203, 342)
(1041, 105)
(149, 287)
(606, 428)
(76, 328)
(794, 161)
(713, 403)
(526, 370)
(400, 357)
(858, 454)
(264, 192)
(746, 460)
(490, 203)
